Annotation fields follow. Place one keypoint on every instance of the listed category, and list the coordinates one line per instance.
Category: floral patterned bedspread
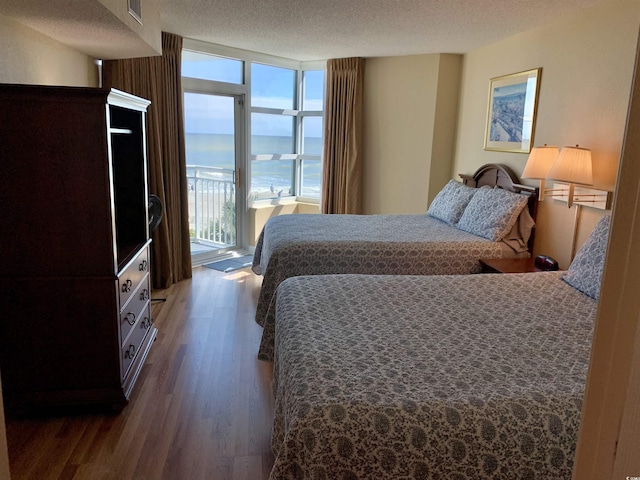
(450, 377)
(292, 245)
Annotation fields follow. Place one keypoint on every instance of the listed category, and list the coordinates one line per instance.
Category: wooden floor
(202, 407)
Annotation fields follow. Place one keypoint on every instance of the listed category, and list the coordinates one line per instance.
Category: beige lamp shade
(573, 166)
(540, 161)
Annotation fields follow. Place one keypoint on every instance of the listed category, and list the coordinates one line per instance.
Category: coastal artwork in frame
(511, 116)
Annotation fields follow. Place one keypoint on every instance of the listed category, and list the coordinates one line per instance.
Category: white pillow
(492, 212)
(450, 202)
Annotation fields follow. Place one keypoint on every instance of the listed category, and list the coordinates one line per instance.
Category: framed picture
(511, 116)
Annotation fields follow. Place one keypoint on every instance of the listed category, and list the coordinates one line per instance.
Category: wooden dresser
(74, 275)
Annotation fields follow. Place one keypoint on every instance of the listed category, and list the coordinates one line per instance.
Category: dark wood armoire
(75, 323)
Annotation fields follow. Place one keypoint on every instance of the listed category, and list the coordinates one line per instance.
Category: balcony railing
(212, 205)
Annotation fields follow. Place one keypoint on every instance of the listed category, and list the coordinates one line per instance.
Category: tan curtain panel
(158, 79)
(342, 162)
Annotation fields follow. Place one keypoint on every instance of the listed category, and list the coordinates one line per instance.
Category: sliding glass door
(214, 142)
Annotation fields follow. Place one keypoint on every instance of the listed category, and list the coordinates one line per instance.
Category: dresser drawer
(131, 347)
(133, 310)
(132, 275)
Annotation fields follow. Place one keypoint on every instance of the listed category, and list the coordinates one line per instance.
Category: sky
(272, 87)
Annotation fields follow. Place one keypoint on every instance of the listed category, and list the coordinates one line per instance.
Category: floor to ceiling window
(286, 132)
(253, 135)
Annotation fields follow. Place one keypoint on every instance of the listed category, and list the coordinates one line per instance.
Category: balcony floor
(199, 248)
(202, 253)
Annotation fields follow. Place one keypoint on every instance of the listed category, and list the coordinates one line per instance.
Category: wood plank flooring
(202, 407)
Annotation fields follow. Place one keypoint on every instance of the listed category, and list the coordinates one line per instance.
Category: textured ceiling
(322, 29)
(296, 29)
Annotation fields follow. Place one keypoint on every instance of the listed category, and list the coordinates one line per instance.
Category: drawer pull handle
(126, 286)
(131, 318)
(146, 323)
(143, 266)
(144, 295)
(130, 352)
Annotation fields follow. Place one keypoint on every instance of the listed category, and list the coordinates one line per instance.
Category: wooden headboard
(494, 174)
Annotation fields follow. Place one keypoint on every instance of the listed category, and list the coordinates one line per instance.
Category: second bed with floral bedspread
(456, 377)
(293, 245)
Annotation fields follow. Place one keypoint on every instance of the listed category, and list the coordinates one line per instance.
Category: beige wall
(410, 106)
(30, 57)
(445, 123)
(587, 64)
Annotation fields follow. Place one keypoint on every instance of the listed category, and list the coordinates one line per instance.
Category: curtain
(158, 79)
(342, 163)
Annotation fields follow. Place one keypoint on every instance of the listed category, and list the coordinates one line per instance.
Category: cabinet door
(56, 219)
(59, 340)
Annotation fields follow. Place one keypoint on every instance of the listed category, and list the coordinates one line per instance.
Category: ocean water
(269, 178)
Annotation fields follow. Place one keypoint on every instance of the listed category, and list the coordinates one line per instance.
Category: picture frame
(511, 111)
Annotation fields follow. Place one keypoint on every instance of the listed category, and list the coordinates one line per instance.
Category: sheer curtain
(342, 163)
(158, 79)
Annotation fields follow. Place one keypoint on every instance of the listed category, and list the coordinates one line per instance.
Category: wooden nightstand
(508, 265)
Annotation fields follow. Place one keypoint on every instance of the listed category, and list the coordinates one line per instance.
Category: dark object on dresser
(76, 325)
(543, 262)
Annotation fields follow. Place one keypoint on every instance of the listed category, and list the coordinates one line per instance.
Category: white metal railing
(212, 205)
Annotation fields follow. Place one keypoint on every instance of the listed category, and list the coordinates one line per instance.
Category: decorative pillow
(450, 202)
(492, 212)
(585, 271)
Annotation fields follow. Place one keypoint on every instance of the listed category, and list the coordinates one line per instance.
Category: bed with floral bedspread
(466, 221)
(450, 377)
(293, 245)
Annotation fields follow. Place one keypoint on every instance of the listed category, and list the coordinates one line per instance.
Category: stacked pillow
(487, 212)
